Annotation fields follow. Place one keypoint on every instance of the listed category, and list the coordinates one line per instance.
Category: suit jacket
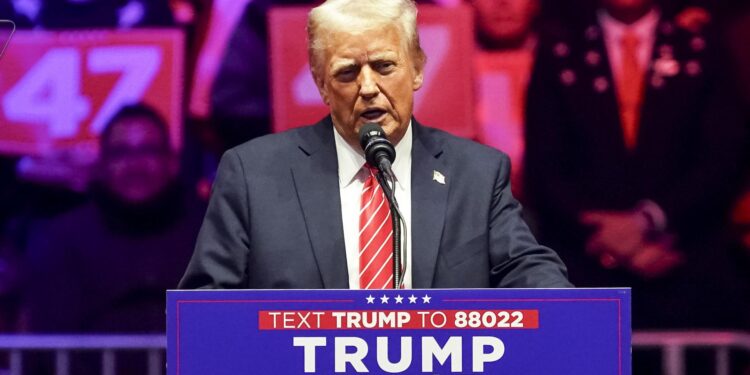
(689, 140)
(688, 150)
(274, 219)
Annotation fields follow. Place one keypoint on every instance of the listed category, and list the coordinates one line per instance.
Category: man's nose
(368, 83)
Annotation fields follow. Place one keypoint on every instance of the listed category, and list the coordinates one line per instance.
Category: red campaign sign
(59, 89)
(445, 100)
(395, 319)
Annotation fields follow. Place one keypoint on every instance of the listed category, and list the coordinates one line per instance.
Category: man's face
(136, 164)
(504, 21)
(368, 77)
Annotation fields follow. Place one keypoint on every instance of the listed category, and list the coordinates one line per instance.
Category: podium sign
(490, 331)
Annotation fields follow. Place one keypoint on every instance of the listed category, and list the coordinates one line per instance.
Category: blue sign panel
(462, 331)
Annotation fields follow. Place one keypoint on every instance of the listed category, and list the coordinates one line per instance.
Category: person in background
(633, 142)
(505, 24)
(56, 180)
(104, 267)
(506, 39)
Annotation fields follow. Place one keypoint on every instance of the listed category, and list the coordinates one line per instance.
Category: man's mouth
(373, 114)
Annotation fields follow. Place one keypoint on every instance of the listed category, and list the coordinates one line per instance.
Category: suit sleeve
(518, 260)
(221, 251)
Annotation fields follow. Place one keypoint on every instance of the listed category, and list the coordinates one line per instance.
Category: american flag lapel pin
(437, 176)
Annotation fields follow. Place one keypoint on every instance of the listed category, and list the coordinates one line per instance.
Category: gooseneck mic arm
(380, 153)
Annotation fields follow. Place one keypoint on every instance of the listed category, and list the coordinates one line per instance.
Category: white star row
(398, 299)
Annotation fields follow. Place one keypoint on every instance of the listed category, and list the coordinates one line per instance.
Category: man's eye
(346, 75)
(384, 66)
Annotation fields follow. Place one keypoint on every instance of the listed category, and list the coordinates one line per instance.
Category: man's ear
(419, 71)
(418, 78)
(418, 81)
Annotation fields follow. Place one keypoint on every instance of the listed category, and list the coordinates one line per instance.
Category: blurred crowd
(626, 121)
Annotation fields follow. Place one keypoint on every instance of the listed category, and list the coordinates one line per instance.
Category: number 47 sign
(58, 90)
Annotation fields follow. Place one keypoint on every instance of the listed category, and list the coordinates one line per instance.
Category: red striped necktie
(375, 236)
(630, 89)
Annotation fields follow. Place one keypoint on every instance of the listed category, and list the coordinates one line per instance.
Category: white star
(426, 299)
(412, 299)
(370, 299)
(398, 298)
(384, 299)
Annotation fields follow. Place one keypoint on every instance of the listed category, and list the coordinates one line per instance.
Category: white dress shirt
(613, 31)
(352, 178)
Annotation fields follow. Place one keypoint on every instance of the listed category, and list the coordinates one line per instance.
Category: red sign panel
(59, 89)
(445, 100)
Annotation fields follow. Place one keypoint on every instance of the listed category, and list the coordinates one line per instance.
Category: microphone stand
(380, 152)
(387, 182)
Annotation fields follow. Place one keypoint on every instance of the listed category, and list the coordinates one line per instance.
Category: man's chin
(395, 131)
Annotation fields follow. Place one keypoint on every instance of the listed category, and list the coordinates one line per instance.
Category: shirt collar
(402, 164)
(643, 28)
(352, 160)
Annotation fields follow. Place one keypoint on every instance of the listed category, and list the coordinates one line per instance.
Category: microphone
(379, 151)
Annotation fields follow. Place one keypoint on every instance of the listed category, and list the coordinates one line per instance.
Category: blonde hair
(357, 16)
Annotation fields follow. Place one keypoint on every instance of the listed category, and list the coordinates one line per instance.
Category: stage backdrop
(445, 100)
(58, 89)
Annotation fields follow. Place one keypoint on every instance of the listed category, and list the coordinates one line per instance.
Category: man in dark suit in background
(633, 144)
(293, 210)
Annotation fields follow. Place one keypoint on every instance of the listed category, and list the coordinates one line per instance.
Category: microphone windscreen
(368, 131)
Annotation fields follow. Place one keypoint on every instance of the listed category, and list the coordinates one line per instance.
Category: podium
(410, 331)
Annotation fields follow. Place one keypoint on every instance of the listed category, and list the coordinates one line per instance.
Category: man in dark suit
(633, 144)
(295, 210)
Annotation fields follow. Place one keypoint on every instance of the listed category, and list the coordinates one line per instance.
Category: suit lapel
(656, 86)
(428, 201)
(606, 104)
(317, 185)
